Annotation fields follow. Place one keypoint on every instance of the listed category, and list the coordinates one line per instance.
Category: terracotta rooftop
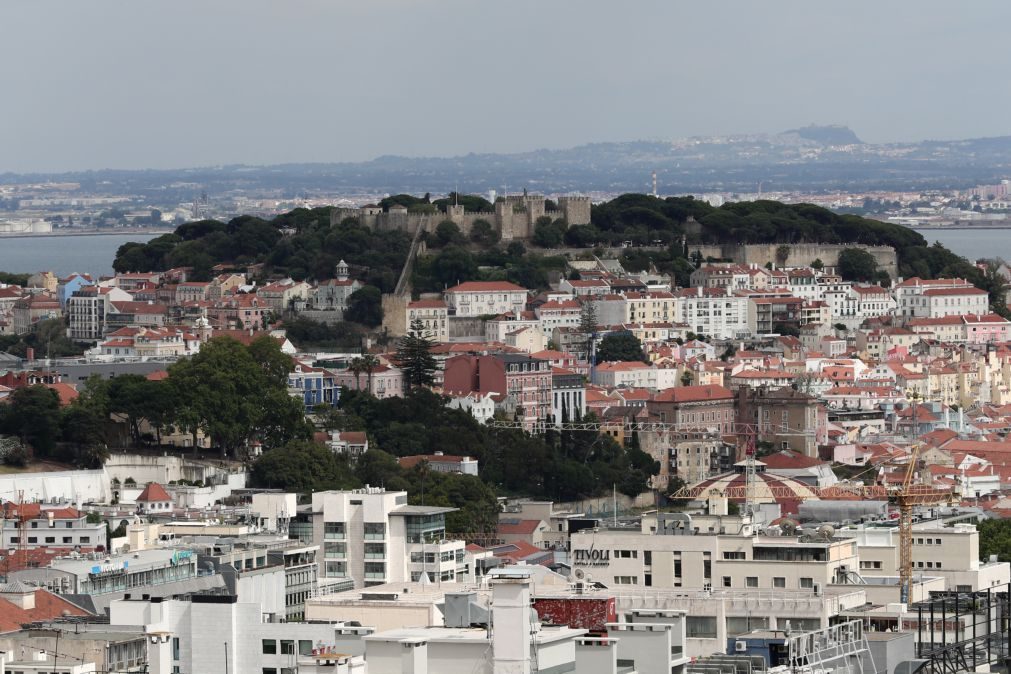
(154, 492)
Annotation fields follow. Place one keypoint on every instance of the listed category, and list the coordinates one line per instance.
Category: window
(779, 581)
(648, 580)
(733, 555)
(937, 541)
(626, 554)
(701, 627)
(333, 531)
(68, 539)
(751, 581)
(304, 647)
(70, 525)
(269, 647)
(807, 583)
(727, 581)
(677, 568)
(33, 539)
(647, 557)
(270, 670)
(175, 648)
(287, 647)
(375, 530)
(85, 539)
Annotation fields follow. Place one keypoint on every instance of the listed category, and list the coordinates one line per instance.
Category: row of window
(287, 647)
(778, 582)
(52, 539)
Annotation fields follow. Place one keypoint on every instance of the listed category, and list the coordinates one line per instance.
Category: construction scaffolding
(963, 631)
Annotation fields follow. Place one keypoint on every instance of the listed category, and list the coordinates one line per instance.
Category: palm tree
(369, 365)
(357, 366)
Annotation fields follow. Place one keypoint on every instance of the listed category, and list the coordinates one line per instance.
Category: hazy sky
(178, 83)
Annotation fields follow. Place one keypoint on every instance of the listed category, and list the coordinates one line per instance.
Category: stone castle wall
(513, 218)
(801, 254)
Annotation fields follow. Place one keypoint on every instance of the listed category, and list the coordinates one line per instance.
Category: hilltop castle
(514, 216)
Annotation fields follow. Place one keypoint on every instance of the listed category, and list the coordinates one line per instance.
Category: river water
(94, 253)
(973, 243)
(64, 255)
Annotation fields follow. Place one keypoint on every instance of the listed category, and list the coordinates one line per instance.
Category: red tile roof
(153, 492)
(687, 394)
(486, 286)
(427, 304)
(48, 606)
(518, 527)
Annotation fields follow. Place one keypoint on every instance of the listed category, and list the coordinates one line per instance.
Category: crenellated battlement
(514, 216)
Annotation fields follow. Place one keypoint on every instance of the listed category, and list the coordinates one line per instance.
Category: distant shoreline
(941, 228)
(91, 232)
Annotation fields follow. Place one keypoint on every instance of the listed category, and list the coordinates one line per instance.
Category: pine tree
(414, 356)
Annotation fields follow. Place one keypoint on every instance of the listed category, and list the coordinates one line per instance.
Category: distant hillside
(828, 135)
(811, 159)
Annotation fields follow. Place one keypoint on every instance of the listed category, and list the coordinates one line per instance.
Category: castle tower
(575, 209)
(342, 271)
(455, 213)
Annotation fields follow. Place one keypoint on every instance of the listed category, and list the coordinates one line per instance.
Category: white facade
(480, 298)
(371, 536)
(481, 407)
(911, 297)
(717, 314)
(219, 633)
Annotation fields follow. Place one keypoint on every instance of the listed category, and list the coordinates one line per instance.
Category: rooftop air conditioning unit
(740, 646)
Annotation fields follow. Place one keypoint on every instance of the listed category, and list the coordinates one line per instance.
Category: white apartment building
(372, 536)
(712, 311)
(218, 633)
(675, 550)
(433, 314)
(481, 298)
(626, 374)
(86, 311)
(558, 314)
(49, 525)
(938, 302)
(912, 300)
(950, 552)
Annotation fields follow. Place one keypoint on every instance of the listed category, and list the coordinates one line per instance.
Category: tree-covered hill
(301, 244)
(304, 245)
(643, 220)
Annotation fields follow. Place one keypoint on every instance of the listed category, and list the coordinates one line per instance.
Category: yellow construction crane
(906, 496)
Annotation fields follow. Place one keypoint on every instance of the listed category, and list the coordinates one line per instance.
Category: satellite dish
(579, 574)
(827, 531)
(789, 527)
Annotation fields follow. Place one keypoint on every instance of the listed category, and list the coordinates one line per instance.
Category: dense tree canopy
(619, 346)
(232, 396)
(559, 466)
(856, 264)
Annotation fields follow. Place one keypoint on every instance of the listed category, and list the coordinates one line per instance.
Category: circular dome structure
(769, 487)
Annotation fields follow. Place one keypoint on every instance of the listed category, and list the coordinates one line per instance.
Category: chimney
(30, 353)
(512, 623)
(18, 594)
